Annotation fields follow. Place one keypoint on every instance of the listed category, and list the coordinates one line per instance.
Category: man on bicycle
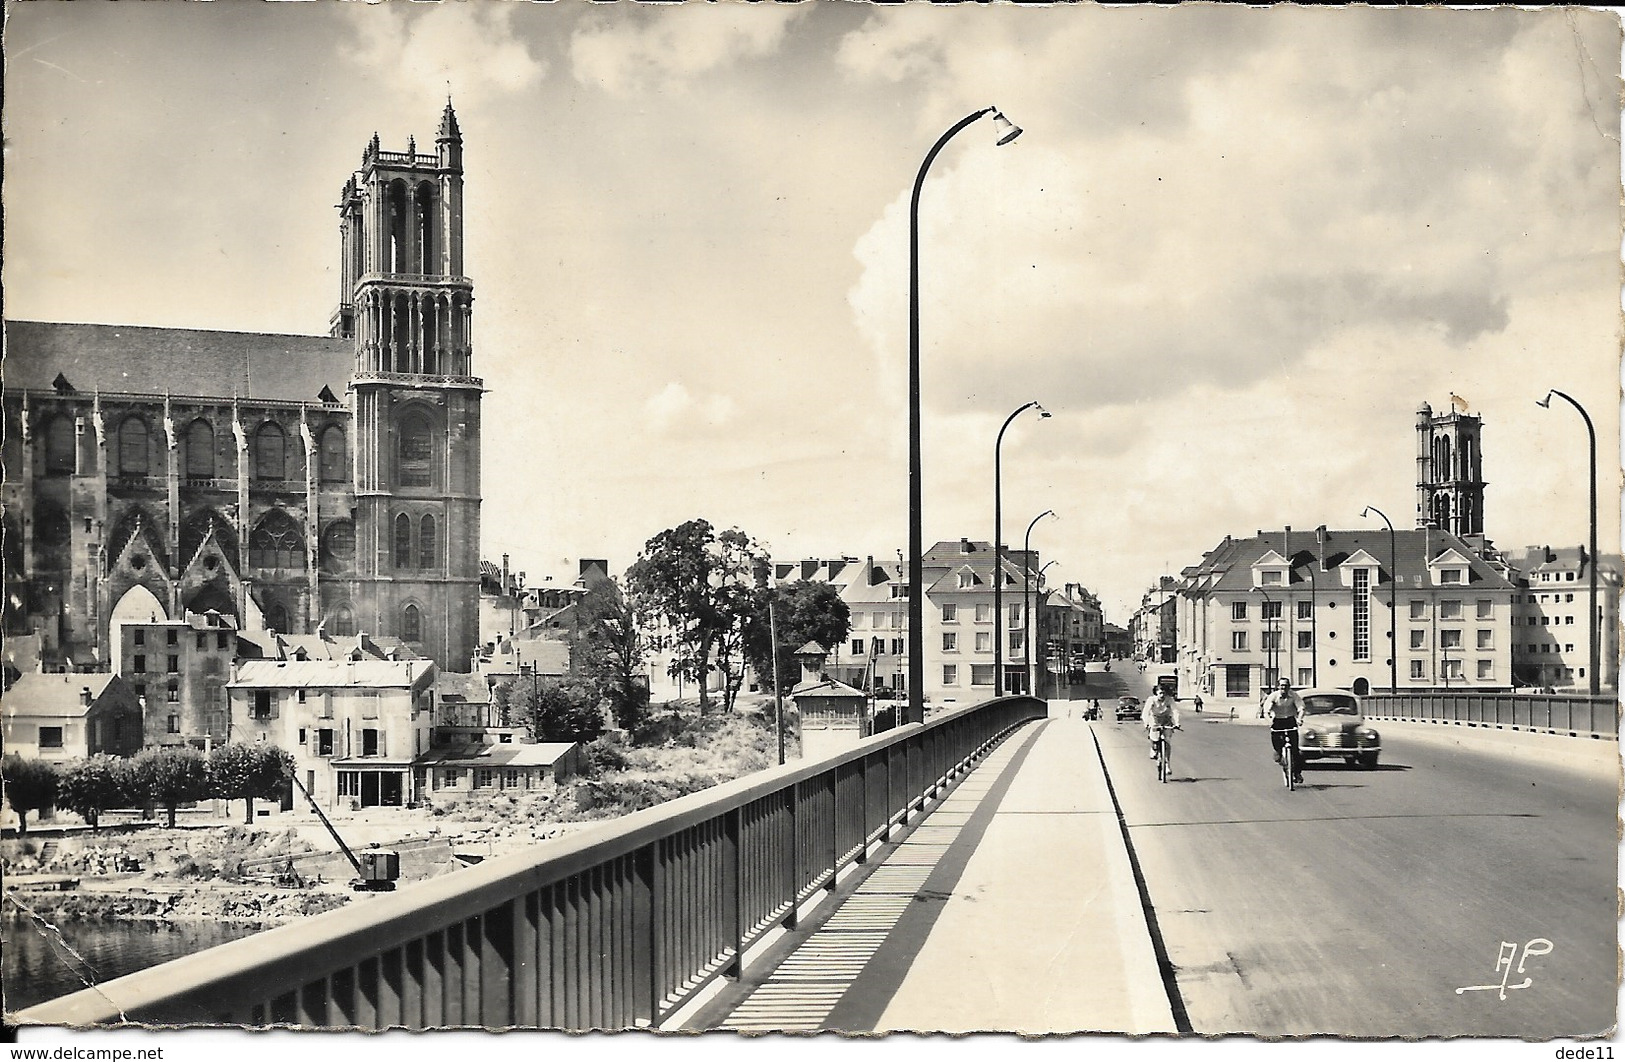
(1285, 709)
(1161, 709)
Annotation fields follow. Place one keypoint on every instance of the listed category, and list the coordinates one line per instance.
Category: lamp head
(1365, 512)
(1545, 403)
(1004, 128)
(1042, 412)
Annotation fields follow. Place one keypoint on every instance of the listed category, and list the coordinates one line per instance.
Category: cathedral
(299, 483)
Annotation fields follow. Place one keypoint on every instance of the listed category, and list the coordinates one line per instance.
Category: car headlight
(1367, 735)
(1311, 736)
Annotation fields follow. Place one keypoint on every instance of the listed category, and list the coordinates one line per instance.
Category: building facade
(292, 482)
(1551, 644)
(61, 717)
(1449, 471)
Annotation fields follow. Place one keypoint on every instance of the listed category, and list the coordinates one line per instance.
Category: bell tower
(1449, 471)
(407, 306)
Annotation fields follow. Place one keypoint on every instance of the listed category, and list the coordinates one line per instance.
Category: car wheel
(1368, 760)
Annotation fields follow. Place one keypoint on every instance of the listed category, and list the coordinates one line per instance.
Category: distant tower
(405, 302)
(1449, 471)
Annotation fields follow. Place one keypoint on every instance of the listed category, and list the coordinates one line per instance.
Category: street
(1360, 903)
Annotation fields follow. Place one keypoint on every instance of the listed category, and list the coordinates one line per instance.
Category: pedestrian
(1198, 702)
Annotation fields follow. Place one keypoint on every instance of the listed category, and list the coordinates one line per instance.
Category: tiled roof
(294, 674)
(503, 754)
(180, 361)
(1230, 563)
(52, 695)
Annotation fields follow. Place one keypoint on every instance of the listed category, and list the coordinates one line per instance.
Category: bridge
(1012, 866)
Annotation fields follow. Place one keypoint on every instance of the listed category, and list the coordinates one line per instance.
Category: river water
(36, 966)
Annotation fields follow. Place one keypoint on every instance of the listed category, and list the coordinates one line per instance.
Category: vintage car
(1128, 708)
(1334, 725)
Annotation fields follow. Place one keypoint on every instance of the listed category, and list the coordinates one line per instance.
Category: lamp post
(1027, 640)
(916, 546)
(1393, 607)
(1591, 560)
(1026, 614)
(1269, 650)
(998, 546)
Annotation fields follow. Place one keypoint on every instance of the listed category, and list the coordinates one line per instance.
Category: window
(511, 779)
(174, 663)
(426, 543)
(449, 778)
(1545, 621)
(1306, 610)
(334, 461)
(1486, 639)
(172, 638)
(1486, 609)
(950, 674)
(1362, 613)
(857, 620)
(1237, 680)
(1450, 576)
(1015, 615)
(403, 541)
(415, 455)
(1568, 620)
(140, 637)
(140, 663)
(1419, 610)
(262, 705)
(1306, 676)
(984, 641)
(1568, 597)
(1270, 641)
(1449, 639)
(1238, 610)
(950, 642)
(324, 742)
(270, 452)
(1305, 639)
(1451, 669)
(966, 580)
(981, 674)
(202, 640)
(898, 591)
(171, 694)
(484, 778)
(984, 613)
(59, 446)
(1417, 669)
(132, 447)
(1486, 669)
(857, 646)
(276, 543)
(1569, 576)
(1568, 647)
(221, 641)
(1238, 641)
(1450, 610)
(1016, 641)
(950, 613)
(369, 742)
(50, 737)
(411, 624)
(1419, 638)
(1272, 610)
(199, 460)
(897, 646)
(174, 723)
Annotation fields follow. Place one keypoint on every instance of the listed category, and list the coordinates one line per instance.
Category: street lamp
(1591, 562)
(1026, 615)
(916, 546)
(998, 546)
(1393, 607)
(1269, 650)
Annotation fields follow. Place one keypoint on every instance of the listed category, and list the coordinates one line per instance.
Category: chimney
(84, 696)
(1286, 542)
(1320, 539)
(869, 571)
(505, 583)
(964, 545)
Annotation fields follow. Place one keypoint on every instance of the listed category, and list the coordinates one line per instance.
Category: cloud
(471, 46)
(674, 408)
(660, 48)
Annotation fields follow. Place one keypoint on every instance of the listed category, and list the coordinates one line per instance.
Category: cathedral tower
(407, 306)
(1449, 471)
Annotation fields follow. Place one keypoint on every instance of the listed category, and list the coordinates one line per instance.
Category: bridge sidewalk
(1011, 906)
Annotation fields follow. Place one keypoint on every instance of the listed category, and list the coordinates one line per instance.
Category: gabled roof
(54, 695)
(501, 754)
(1228, 566)
(181, 361)
(332, 674)
(827, 688)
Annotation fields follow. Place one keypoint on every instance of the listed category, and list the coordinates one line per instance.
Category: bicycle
(1289, 755)
(1164, 751)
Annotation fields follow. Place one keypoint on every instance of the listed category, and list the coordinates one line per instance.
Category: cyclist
(1160, 709)
(1285, 709)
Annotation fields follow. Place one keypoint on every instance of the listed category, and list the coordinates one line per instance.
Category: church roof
(136, 359)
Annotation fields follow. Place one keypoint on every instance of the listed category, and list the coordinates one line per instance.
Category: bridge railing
(614, 927)
(1577, 715)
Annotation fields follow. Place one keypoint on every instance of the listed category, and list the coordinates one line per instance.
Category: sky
(1232, 252)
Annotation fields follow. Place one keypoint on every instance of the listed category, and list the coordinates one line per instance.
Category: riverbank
(104, 902)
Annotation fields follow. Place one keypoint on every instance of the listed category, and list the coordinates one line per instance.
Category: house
(1317, 608)
(179, 668)
(71, 716)
(354, 727)
(1550, 635)
(479, 766)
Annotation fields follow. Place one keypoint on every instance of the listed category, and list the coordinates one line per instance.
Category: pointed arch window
(200, 450)
(334, 455)
(341, 622)
(270, 452)
(416, 452)
(427, 543)
(276, 617)
(411, 624)
(403, 541)
(132, 447)
(59, 446)
(276, 542)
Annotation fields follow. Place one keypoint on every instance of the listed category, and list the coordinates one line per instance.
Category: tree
(90, 787)
(700, 583)
(803, 612)
(271, 774)
(172, 776)
(610, 650)
(31, 785)
(570, 710)
(243, 772)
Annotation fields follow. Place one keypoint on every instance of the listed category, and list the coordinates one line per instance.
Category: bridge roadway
(1061, 888)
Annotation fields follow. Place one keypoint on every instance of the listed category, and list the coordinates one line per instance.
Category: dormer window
(1451, 575)
(1273, 577)
(966, 580)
